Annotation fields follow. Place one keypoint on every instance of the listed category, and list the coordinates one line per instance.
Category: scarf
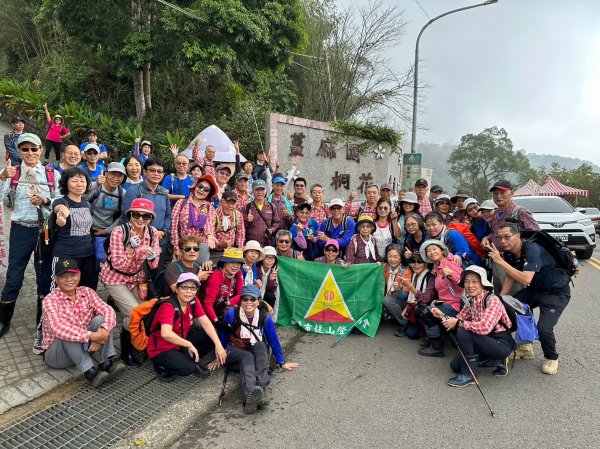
(263, 290)
(245, 333)
(225, 223)
(198, 221)
(369, 248)
(418, 280)
(248, 274)
(390, 279)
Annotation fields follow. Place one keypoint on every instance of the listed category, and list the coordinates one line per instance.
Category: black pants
(551, 308)
(48, 145)
(497, 346)
(252, 365)
(178, 362)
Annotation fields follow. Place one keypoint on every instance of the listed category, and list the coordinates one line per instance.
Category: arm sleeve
(209, 227)
(350, 256)
(212, 290)
(167, 225)
(130, 194)
(350, 209)
(155, 244)
(428, 295)
(101, 308)
(490, 317)
(60, 328)
(175, 222)
(526, 220)
(196, 155)
(239, 284)
(273, 340)
(345, 240)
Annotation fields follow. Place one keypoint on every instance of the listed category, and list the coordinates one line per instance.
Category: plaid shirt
(354, 210)
(208, 166)
(425, 206)
(235, 235)
(526, 220)
(256, 229)
(483, 321)
(128, 259)
(68, 320)
(320, 214)
(180, 220)
(243, 199)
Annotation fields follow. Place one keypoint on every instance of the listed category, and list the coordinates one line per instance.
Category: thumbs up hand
(101, 178)
(61, 220)
(9, 171)
(250, 217)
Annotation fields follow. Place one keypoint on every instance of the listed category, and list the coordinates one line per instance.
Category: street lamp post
(416, 69)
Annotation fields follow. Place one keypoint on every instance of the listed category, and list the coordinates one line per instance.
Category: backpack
(167, 289)
(142, 318)
(14, 182)
(126, 236)
(47, 235)
(565, 261)
(120, 194)
(510, 311)
(465, 231)
(329, 224)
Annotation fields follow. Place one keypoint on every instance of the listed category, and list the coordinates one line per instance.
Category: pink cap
(332, 242)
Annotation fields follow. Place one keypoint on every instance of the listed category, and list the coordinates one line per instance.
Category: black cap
(17, 119)
(503, 184)
(242, 175)
(303, 206)
(261, 151)
(64, 266)
(92, 131)
(437, 188)
(421, 182)
(229, 195)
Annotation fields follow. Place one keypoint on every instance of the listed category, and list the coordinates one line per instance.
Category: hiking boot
(255, 395)
(112, 368)
(127, 350)
(201, 371)
(401, 332)
(426, 343)
(165, 377)
(550, 366)
(264, 402)
(436, 349)
(96, 377)
(7, 310)
(465, 377)
(524, 351)
(37, 341)
(461, 380)
(502, 367)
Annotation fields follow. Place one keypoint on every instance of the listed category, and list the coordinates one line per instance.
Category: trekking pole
(341, 338)
(224, 386)
(472, 374)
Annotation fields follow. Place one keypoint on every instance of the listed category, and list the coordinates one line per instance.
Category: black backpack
(126, 236)
(565, 260)
(167, 289)
(149, 319)
(237, 322)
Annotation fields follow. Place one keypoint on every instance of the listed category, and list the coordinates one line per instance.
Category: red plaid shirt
(320, 214)
(209, 166)
(128, 259)
(482, 320)
(180, 219)
(242, 201)
(235, 235)
(425, 206)
(354, 210)
(68, 320)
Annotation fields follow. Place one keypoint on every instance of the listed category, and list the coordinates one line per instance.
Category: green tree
(481, 159)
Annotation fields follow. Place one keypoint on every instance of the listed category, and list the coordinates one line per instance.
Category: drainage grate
(97, 418)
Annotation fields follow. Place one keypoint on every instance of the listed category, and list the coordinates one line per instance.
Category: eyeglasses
(283, 241)
(182, 163)
(248, 299)
(187, 249)
(331, 249)
(224, 172)
(413, 260)
(299, 185)
(505, 237)
(138, 215)
(203, 189)
(28, 149)
(383, 208)
(189, 288)
(158, 171)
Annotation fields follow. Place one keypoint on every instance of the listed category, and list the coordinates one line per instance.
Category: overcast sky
(529, 66)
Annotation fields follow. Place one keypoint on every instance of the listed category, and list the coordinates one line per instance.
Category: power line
(183, 11)
(422, 9)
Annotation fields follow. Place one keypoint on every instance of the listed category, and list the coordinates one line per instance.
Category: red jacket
(221, 288)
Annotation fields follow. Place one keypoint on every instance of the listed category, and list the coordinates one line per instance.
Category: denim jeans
(434, 330)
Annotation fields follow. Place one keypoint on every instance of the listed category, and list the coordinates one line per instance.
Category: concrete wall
(321, 158)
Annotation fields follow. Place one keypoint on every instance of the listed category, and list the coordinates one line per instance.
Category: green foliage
(174, 139)
(481, 159)
(371, 132)
(127, 133)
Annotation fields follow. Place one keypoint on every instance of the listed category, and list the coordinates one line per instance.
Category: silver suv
(563, 222)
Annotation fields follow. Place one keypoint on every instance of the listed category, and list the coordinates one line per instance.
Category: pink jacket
(447, 287)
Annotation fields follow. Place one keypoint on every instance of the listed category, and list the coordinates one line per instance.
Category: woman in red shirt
(56, 134)
(175, 346)
(224, 286)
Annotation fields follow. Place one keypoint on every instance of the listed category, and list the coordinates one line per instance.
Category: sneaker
(252, 400)
(524, 351)
(201, 371)
(264, 402)
(461, 380)
(37, 341)
(400, 332)
(112, 368)
(550, 366)
(502, 368)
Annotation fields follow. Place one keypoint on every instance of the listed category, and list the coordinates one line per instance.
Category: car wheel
(585, 254)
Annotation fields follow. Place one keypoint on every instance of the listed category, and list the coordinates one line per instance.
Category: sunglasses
(331, 249)
(383, 208)
(189, 288)
(203, 188)
(28, 149)
(187, 249)
(413, 260)
(248, 299)
(335, 208)
(283, 241)
(138, 215)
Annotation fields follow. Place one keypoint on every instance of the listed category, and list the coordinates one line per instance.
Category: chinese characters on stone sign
(297, 148)
(340, 180)
(353, 152)
(327, 149)
(365, 180)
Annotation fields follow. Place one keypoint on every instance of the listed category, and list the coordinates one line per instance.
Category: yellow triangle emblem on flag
(328, 305)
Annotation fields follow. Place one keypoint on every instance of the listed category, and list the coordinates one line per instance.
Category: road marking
(595, 260)
(593, 263)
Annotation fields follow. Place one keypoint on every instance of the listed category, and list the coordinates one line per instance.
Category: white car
(559, 219)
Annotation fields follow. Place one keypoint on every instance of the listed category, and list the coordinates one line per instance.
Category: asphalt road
(381, 393)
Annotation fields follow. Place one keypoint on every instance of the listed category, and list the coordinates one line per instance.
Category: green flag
(330, 299)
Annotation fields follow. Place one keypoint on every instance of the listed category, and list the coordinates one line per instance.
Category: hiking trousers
(496, 346)
(253, 366)
(178, 362)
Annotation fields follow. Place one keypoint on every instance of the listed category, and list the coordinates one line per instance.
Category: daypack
(142, 318)
(465, 231)
(329, 225)
(527, 331)
(510, 311)
(126, 236)
(14, 182)
(120, 195)
(565, 260)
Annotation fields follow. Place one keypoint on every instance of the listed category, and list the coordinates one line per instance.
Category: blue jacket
(267, 331)
(162, 205)
(336, 233)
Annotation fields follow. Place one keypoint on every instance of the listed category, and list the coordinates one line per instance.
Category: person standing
(207, 163)
(260, 217)
(92, 137)
(57, 132)
(339, 227)
(179, 183)
(282, 204)
(71, 157)
(434, 192)
(31, 195)
(425, 204)
(229, 226)
(318, 211)
(368, 207)
(11, 138)
(241, 190)
(94, 167)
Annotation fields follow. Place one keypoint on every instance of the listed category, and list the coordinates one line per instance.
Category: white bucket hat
(477, 270)
(253, 244)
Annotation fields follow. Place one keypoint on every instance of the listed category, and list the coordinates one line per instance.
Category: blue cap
(279, 180)
(251, 290)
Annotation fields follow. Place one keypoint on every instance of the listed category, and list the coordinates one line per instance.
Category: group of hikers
(207, 237)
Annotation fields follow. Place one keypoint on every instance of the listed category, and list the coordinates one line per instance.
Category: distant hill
(436, 156)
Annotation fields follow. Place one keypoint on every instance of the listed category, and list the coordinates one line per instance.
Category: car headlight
(585, 221)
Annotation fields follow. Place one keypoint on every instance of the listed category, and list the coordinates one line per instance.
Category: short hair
(393, 247)
(283, 233)
(314, 186)
(514, 227)
(63, 149)
(188, 239)
(128, 159)
(300, 178)
(434, 216)
(184, 155)
(153, 161)
(370, 186)
(194, 166)
(210, 146)
(418, 219)
(69, 173)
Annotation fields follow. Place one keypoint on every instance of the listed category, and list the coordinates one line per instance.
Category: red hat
(142, 205)
(213, 185)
